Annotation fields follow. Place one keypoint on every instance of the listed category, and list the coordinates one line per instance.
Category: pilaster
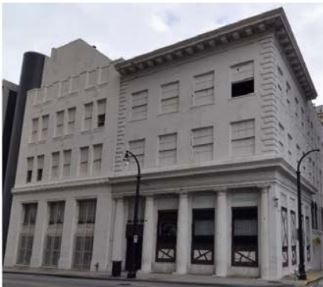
(117, 252)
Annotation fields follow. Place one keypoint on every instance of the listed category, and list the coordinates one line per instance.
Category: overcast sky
(127, 30)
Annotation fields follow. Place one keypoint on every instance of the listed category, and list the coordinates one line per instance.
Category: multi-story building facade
(217, 123)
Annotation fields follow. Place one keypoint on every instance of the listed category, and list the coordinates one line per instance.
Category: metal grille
(293, 236)
(284, 234)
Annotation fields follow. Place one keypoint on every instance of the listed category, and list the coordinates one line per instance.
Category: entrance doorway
(129, 232)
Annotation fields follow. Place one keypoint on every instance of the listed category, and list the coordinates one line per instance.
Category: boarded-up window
(88, 114)
(30, 166)
(202, 144)
(139, 105)
(137, 147)
(44, 128)
(243, 138)
(97, 158)
(92, 78)
(101, 112)
(40, 167)
(84, 161)
(65, 87)
(242, 76)
(203, 89)
(71, 112)
(170, 97)
(67, 162)
(55, 165)
(34, 131)
(167, 149)
(60, 123)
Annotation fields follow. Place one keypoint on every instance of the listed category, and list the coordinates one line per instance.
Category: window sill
(169, 113)
(88, 88)
(62, 137)
(93, 130)
(243, 96)
(202, 105)
(136, 120)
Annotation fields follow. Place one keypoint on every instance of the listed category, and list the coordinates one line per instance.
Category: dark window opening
(202, 251)
(87, 211)
(101, 120)
(242, 88)
(244, 236)
(166, 236)
(29, 175)
(39, 174)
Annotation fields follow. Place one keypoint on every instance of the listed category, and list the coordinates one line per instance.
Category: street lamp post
(132, 270)
(301, 266)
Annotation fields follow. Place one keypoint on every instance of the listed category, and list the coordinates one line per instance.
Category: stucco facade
(217, 122)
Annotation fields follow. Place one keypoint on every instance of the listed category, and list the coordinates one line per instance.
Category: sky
(128, 30)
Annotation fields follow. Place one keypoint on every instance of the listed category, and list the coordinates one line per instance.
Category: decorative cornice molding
(272, 21)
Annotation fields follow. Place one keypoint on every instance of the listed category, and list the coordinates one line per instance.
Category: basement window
(242, 76)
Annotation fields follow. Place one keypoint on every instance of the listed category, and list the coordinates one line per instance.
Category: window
(60, 123)
(167, 149)
(52, 250)
(293, 236)
(34, 132)
(84, 161)
(30, 167)
(244, 236)
(290, 145)
(137, 147)
(308, 238)
(83, 252)
(243, 138)
(101, 112)
(71, 120)
(40, 167)
(88, 114)
(170, 97)
(87, 210)
(202, 251)
(92, 78)
(56, 212)
(202, 144)
(52, 90)
(67, 163)
(27, 233)
(65, 87)
(97, 158)
(284, 235)
(281, 131)
(166, 236)
(55, 165)
(203, 89)
(242, 79)
(44, 128)
(104, 75)
(139, 105)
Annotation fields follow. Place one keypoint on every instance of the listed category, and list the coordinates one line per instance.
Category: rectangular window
(87, 211)
(101, 112)
(284, 235)
(243, 138)
(56, 212)
(44, 128)
(167, 149)
(166, 236)
(52, 250)
(67, 163)
(170, 97)
(88, 115)
(202, 250)
(139, 105)
(55, 165)
(92, 78)
(83, 252)
(30, 213)
(71, 112)
(203, 89)
(104, 75)
(137, 147)
(59, 123)
(25, 249)
(244, 236)
(242, 76)
(30, 167)
(97, 158)
(65, 87)
(293, 236)
(40, 167)
(84, 161)
(34, 132)
(202, 144)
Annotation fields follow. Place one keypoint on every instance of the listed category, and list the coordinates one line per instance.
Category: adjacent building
(217, 123)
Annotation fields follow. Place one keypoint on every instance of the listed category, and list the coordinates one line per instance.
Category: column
(264, 233)
(147, 251)
(39, 235)
(117, 254)
(182, 245)
(70, 219)
(221, 234)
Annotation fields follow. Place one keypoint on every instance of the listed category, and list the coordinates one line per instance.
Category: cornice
(272, 21)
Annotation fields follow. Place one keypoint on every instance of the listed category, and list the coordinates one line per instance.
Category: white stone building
(217, 122)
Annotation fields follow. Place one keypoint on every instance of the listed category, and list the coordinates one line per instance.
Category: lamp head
(126, 158)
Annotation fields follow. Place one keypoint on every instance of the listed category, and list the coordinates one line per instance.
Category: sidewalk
(203, 280)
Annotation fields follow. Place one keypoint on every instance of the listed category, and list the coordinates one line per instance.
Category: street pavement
(29, 280)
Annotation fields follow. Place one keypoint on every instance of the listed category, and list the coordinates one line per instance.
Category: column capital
(264, 187)
(221, 190)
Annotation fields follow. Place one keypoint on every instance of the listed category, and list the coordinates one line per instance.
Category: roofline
(273, 20)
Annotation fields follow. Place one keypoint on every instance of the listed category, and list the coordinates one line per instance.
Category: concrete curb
(79, 276)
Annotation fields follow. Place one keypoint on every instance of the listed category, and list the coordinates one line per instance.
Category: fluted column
(118, 230)
(264, 233)
(182, 254)
(221, 234)
(147, 251)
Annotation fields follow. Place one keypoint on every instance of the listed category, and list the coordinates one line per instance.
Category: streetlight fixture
(301, 266)
(132, 270)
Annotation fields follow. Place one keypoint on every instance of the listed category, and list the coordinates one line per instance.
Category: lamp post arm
(305, 155)
(136, 160)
